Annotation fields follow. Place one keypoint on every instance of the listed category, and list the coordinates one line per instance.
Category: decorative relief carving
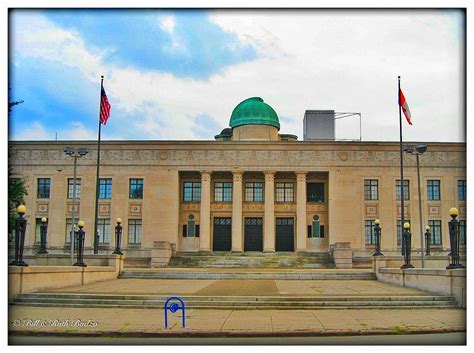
(433, 209)
(248, 207)
(310, 207)
(462, 210)
(406, 210)
(190, 206)
(219, 206)
(104, 209)
(204, 156)
(371, 211)
(76, 207)
(343, 156)
(42, 208)
(135, 209)
(285, 207)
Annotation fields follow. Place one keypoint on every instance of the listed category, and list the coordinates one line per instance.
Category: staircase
(85, 300)
(223, 274)
(252, 260)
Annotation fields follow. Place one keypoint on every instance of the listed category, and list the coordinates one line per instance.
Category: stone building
(252, 189)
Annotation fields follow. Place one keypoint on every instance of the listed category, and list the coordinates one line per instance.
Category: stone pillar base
(342, 254)
(161, 254)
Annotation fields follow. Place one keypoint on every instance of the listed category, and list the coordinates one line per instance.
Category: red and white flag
(104, 107)
(406, 110)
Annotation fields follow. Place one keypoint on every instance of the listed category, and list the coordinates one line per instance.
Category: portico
(256, 206)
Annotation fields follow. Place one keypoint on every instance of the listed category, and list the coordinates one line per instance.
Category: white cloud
(167, 23)
(342, 60)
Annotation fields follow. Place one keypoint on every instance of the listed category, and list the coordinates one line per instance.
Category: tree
(16, 186)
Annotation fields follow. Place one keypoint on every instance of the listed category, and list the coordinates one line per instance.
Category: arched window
(191, 226)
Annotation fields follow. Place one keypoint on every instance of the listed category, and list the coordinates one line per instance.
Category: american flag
(104, 107)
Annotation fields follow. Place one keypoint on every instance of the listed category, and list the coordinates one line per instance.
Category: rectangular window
(435, 227)
(434, 190)
(315, 192)
(38, 230)
(68, 230)
(406, 189)
(223, 192)
(70, 188)
(462, 190)
(371, 189)
(254, 191)
(369, 232)
(134, 231)
(105, 188)
(103, 227)
(285, 192)
(136, 189)
(192, 191)
(399, 231)
(462, 232)
(44, 185)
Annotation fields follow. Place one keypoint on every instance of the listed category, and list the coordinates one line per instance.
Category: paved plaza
(228, 322)
(242, 287)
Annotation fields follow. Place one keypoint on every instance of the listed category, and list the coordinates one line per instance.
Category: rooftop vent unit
(319, 125)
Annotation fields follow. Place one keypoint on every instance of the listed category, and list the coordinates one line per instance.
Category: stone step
(258, 260)
(240, 302)
(294, 275)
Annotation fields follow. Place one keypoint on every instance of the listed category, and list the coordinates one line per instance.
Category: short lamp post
(43, 234)
(20, 229)
(428, 240)
(454, 240)
(378, 233)
(118, 237)
(81, 235)
(407, 242)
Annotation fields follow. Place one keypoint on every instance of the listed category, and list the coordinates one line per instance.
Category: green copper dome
(254, 111)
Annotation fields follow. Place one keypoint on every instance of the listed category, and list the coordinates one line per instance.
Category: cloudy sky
(178, 74)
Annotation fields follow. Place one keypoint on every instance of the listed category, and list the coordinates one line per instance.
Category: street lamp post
(43, 232)
(75, 153)
(118, 237)
(81, 234)
(428, 240)
(454, 240)
(378, 233)
(407, 242)
(417, 151)
(20, 229)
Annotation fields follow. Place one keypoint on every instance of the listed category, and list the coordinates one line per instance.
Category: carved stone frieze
(22, 155)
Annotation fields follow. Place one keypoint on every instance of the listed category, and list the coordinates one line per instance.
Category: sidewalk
(150, 322)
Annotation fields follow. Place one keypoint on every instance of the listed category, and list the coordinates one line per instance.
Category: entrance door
(253, 238)
(285, 234)
(222, 239)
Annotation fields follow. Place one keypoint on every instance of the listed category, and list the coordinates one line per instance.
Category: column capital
(205, 172)
(237, 175)
(301, 176)
(206, 175)
(269, 173)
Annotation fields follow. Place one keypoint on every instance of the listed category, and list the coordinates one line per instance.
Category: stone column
(301, 226)
(269, 220)
(205, 218)
(237, 213)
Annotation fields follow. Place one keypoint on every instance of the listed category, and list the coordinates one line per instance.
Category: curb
(234, 334)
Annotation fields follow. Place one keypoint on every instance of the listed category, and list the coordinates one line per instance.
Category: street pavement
(209, 322)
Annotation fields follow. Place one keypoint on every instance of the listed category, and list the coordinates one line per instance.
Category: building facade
(253, 189)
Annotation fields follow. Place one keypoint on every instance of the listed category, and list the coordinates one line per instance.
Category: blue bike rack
(174, 307)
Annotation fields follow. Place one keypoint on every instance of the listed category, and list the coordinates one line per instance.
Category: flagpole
(97, 185)
(402, 196)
